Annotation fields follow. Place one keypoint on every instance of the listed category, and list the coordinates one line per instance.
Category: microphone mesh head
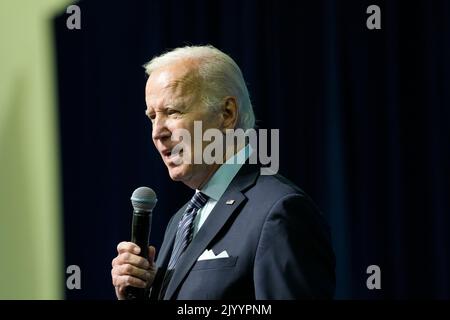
(143, 199)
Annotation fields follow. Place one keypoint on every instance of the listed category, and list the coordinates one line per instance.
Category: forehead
(176, 81)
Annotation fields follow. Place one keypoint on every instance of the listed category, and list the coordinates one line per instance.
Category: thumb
(151, 253)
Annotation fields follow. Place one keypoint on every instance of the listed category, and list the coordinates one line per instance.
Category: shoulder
(273, 190)
(278, 183)
(278, 202)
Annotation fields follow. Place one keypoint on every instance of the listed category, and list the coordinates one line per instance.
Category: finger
(120, 293)
(151, 253)
(125, 246)
(128, 269)
(129, 258)
(127, 281)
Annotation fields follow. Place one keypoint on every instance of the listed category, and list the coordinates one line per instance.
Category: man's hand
(129, 269)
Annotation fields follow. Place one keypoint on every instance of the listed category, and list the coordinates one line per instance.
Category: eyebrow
(179, 105)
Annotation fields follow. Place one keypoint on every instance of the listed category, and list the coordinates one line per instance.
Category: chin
(178, 173)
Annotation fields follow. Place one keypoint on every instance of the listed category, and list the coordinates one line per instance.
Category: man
(243, 235)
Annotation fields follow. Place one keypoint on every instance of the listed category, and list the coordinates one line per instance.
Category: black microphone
(143, 200)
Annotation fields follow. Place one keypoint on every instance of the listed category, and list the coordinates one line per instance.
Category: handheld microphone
(143, 200)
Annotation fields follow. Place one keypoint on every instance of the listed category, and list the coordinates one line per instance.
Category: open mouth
(168, 153)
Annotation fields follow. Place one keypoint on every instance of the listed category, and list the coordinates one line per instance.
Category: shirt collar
(222, 178)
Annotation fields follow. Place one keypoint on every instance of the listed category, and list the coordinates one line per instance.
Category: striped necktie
(185, 227)
(183, 236)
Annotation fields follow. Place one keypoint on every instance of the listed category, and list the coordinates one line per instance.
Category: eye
(173, 112)
(151, 116)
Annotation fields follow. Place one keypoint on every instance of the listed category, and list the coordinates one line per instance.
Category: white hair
(220, 76)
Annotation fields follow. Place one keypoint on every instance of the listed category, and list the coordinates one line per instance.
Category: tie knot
(199, 200)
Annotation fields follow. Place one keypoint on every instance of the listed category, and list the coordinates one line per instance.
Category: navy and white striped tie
(185, 227)
(183, 236)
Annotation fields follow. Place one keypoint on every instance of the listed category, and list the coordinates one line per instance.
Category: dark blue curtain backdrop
(364, 121)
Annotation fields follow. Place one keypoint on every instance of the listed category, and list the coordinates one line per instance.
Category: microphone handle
(140, 231)
(140, 235)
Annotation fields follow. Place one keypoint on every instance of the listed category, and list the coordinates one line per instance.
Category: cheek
(213, 120)
(177, 127)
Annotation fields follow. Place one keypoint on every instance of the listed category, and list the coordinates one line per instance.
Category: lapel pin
(229, 202)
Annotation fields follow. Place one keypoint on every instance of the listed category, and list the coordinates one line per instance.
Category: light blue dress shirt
(218, 183)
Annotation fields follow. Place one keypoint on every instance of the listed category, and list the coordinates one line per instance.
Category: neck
(201, 182)
(211, 172)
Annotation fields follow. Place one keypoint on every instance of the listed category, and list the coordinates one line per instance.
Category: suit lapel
(213, 224)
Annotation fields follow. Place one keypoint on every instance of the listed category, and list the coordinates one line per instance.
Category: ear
(230, 113)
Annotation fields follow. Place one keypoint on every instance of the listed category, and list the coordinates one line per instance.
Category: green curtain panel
(30, 211)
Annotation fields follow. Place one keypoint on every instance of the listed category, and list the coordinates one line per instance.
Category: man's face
(172, 95)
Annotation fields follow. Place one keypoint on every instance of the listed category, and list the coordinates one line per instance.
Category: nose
(159, 129)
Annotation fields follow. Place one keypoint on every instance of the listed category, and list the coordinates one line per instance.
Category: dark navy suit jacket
(277, 240)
